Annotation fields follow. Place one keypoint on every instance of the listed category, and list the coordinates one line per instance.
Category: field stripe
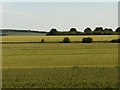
(29, 67)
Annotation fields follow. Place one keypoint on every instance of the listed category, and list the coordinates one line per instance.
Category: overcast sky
(59, 15)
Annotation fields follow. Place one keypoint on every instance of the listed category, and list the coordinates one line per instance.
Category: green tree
(98, 31)
(115, 40)
(87, 40)
(87, 31)
(108, 31)
(53, 31)
(66, 40)
(118, 29)
(73, 31)
(42, 40)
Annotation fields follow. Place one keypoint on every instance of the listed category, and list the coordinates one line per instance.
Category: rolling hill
(9, 32)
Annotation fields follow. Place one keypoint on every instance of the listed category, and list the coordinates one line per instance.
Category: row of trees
(73, 31)
(87, 31)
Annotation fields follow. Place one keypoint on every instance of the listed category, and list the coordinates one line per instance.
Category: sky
(60, 15)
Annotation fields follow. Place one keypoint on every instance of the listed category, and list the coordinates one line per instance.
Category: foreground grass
(49, 65)
(70, 77)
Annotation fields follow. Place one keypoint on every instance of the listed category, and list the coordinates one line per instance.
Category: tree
(42, 40)
(108, 31)
(118, 29)
(98, 31)
(87, 40)
(53, 31)
(87, 31)
(73, 30)
(115, 40)
(66, 40)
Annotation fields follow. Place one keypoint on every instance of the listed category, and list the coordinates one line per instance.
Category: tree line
(73, 31)
(87, 31)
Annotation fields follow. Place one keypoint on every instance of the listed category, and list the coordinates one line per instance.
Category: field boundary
(53, 42)
(52, 67)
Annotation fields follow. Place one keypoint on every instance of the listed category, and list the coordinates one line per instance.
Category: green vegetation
(54, 31)
(87, 40)
(115, 40)
(42, 40)
(87, 31)
(57, 38)
(60, 54)
(61, 77)
(66, 40)
(60, 65)
(49, 65)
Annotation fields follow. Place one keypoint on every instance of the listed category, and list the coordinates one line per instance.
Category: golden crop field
(59, 65)
(56, 38)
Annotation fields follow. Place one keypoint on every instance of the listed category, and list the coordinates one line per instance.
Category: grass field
(77, 65)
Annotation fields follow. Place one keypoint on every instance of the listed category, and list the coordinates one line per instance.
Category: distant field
(22, 33)
(56, 38)
(49, 65)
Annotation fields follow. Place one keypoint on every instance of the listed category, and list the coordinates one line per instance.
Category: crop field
(72, 77)
(59, 65)
(57, 38)
(59, 54)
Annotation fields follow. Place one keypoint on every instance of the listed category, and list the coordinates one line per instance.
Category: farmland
(57, 38)
(22, 33)
(48, 65)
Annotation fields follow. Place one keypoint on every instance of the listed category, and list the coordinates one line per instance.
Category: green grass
(94, 77)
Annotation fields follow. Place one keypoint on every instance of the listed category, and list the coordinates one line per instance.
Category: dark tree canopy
(53, 31)
(118, 29)
(115, 40)
(73, 30)
(87, 40)
(99, 29)
(42, 40)
(108, 30)
(87, 30)
(66, 40)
